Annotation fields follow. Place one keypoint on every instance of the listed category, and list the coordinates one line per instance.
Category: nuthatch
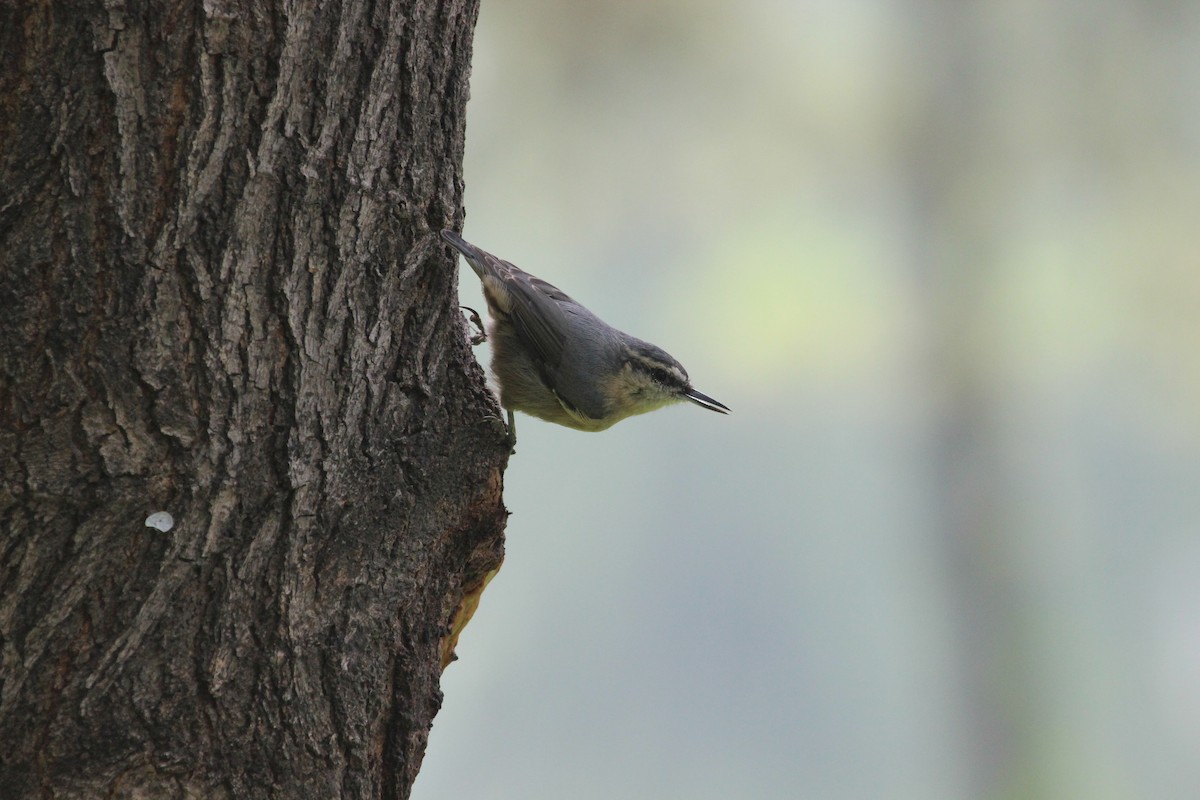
(556, 360)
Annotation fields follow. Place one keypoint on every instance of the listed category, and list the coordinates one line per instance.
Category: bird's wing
(537, 313)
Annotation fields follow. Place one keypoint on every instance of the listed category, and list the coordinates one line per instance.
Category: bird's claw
(481, 336)
(512, 433)
(509, 430)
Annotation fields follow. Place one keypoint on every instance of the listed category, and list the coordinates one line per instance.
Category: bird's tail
(478, 259)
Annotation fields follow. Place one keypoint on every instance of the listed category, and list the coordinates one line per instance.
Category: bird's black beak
(704, 401)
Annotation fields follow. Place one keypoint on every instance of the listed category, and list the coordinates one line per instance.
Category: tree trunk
(223, 296)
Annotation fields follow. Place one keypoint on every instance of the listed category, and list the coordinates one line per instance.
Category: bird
(555, 360)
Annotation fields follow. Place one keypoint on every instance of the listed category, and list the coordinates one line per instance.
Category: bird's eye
(661, 376)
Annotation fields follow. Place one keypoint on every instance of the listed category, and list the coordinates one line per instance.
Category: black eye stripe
(664, 377)
(658, 373)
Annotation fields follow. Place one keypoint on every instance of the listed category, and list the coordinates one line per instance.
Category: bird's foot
(481, 336)
(509, 430)
(512, 433)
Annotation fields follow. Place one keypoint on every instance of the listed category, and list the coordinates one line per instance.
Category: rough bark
(222, 295)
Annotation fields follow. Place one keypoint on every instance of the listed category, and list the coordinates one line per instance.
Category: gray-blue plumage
(556, 360)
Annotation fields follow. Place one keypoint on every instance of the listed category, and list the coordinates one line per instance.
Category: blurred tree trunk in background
(224, 297)
(953, 260)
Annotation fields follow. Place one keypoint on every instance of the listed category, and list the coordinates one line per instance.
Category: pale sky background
(942, 260)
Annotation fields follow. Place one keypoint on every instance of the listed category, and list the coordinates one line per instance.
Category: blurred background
(942, 260)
